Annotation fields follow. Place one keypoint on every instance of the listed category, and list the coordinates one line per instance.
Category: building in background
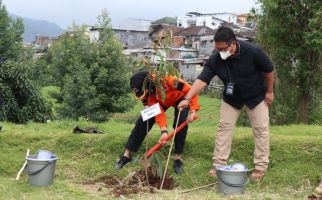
(158, 31)
(44, 41)
(93, 33)
(191, 35)
(211, 20)
(132, 32)
(198, 19)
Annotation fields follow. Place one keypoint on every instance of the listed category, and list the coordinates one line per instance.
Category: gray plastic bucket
(40, 171)
(232, 182)
(44, 155)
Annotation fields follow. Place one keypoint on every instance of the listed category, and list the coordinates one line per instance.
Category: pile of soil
(315, 197)
(135, 183)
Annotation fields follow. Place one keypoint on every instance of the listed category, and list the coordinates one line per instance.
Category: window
(203, 44)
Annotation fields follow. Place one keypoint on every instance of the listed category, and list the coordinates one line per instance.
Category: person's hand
(269, 98)
(191, 116)
(163, 136)
(183, 104)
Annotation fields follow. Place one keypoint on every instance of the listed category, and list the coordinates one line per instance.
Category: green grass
(295, 158)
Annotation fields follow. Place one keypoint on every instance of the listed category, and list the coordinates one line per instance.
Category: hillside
(166, 20)
(295, 158)
(39, 27)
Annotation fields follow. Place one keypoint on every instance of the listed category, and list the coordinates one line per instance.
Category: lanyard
(229, 73)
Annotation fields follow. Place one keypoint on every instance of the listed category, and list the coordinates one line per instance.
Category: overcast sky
(64, 12)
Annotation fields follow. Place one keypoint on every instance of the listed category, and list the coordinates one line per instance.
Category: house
(191, 35)
(190, 69)
(188, 61)
(172, 54)
(246, 34)
(158, 31)
(132, 32)
(132, 24)
(93, 33)
(241, 32)
(226, 16)
(44, 41)
(242, 19)
(199, 19)
(182, 53)
(206, 45)
(246, 20)
(131, 38)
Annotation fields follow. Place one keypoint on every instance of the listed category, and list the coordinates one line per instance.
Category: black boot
(178, 166)
(122, 161)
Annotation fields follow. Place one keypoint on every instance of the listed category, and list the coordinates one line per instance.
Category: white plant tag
(150, 112)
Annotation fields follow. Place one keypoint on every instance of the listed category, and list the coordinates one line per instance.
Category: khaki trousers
(259, 118)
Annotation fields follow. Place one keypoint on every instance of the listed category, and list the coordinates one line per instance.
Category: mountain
(39, 27)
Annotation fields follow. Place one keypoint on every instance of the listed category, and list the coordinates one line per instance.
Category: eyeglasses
(224, 49)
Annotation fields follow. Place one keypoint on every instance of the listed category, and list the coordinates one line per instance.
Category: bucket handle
(41, 169)
(234, 185)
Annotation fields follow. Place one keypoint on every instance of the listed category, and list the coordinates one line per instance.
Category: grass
(295, 158)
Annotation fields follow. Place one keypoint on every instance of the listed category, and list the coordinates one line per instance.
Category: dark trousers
(140, 130)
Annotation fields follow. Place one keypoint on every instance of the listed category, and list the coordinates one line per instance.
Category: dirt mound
(152, 181)
(134, 183)
(315, 197)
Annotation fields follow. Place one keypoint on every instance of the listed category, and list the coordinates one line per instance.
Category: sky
(64, 12)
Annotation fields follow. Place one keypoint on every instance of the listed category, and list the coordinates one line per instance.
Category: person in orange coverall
(175, 90)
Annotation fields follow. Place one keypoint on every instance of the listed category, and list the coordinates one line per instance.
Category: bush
(52, 95)
(21, 101)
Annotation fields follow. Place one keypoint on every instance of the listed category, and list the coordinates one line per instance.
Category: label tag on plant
(150, 112)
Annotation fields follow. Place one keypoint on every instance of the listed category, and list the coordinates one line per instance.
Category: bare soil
(134, 183)
(315, 197)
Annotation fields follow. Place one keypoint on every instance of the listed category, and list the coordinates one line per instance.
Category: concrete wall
(206, 45)
(188, 72)
(131, 38)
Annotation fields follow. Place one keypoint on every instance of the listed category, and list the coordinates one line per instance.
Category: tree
(291, 31)
(10, 35)
(20, 101)
(111, 75)
(79, 96)
(73, 46)
(92, 76)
